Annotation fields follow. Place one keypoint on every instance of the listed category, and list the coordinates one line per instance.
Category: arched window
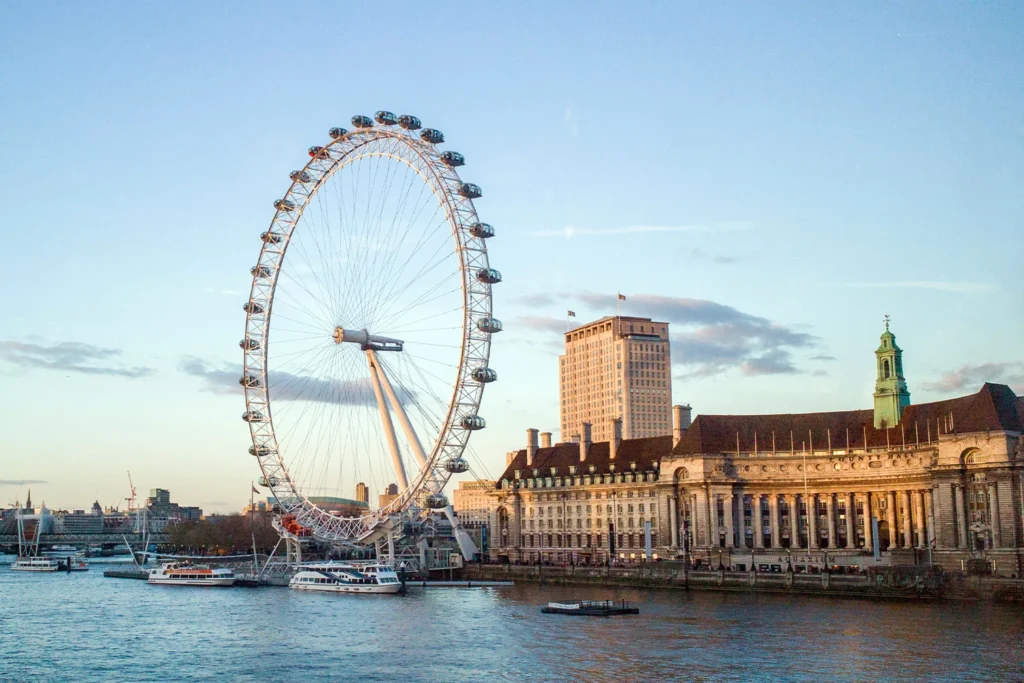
(885, 369)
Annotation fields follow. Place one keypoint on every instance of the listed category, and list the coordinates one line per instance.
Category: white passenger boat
(187, 574)
(341, 577)
(36, 564)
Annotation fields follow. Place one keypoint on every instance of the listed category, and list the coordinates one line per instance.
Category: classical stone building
(472, 501)
(939, 483)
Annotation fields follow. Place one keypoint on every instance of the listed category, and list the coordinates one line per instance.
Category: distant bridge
(87, 539)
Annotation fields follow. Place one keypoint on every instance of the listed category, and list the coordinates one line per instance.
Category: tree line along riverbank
(896, 584)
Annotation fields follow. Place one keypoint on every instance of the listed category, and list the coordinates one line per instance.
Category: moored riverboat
(340, 577)
(36, 564)
(187, 574)
(590, 608)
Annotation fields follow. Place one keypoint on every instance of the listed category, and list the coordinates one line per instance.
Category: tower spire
(891, 394)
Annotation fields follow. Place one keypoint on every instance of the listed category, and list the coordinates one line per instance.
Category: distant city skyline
(771, 184)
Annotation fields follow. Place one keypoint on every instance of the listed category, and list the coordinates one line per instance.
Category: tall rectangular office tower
(616, 367)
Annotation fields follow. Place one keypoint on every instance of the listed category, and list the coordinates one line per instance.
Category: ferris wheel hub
(366, 340)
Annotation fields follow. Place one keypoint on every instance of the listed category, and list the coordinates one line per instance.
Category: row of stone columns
(988, 530)
(917, 505)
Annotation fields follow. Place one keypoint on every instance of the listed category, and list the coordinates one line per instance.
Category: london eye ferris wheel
(366, 349)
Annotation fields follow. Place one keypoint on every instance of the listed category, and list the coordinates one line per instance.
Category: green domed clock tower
(891, 395)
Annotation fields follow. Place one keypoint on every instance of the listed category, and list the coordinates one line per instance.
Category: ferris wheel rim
(460, 214)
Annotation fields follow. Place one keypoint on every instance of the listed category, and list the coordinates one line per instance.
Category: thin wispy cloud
(543, 323)
(70, 356)
(571, 231)
(722, 259)
(571, 123)
(226, 292)
(22, 482)
(938, 285)
(286, 386)
(970, 377)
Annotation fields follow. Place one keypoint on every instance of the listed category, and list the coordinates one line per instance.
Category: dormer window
(593, 468)
(518, 473)
(553, 471)
(572, 469)
(632, 466)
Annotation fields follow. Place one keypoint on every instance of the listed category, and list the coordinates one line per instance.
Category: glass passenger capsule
(470, 191)
(385, 118)
(260, 451)
(336, 132)
(249, 345)
(272, 237)
(253, 308)
(490, 325)
(300, 177)
(484, 375)
(488, 275)
(260, 271)
(315, 151)
(409, 122)
(456, 465)
(360, 121)
(267, 483)
(473, 422)
(432, 135)
(481, 230)
(453, 159)
(284, 205)
(436, 501)
(249, 381)
(253, 416)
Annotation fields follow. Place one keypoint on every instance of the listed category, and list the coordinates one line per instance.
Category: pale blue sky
(808, 169)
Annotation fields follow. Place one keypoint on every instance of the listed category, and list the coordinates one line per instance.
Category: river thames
(85, 627)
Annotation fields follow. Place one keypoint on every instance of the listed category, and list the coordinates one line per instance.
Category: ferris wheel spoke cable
(399, 219)
(434, 227)
(293, 302)
(428, 296)
(432, 316)
(430, 299)
(389, 277)
(398, 284)
(424, 271)
(312, 229)
(294, 278)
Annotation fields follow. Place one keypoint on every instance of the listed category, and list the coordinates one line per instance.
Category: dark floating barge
(590, 608)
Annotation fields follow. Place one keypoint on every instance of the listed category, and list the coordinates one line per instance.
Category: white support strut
(385, 418)
(403, 419)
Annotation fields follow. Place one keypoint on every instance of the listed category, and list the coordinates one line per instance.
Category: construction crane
(131, 499)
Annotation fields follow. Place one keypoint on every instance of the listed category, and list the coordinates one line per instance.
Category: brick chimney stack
(545, 439)
(680, 422)
(531, 446)
(584, 441)
(616, 439)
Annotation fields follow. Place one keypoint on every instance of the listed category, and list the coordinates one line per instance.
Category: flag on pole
(571, 314)
(622, 297)
(254, 490)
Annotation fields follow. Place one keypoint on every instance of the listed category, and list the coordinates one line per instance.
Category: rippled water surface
(84, 627)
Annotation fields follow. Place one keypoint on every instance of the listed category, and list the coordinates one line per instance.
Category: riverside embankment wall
(905, 584)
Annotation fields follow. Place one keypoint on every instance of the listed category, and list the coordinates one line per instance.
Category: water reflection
(86, 627)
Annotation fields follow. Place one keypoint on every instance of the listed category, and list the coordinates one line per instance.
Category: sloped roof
(995, 407)
(644, 452)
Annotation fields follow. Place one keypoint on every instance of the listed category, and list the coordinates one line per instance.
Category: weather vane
(886, 319)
